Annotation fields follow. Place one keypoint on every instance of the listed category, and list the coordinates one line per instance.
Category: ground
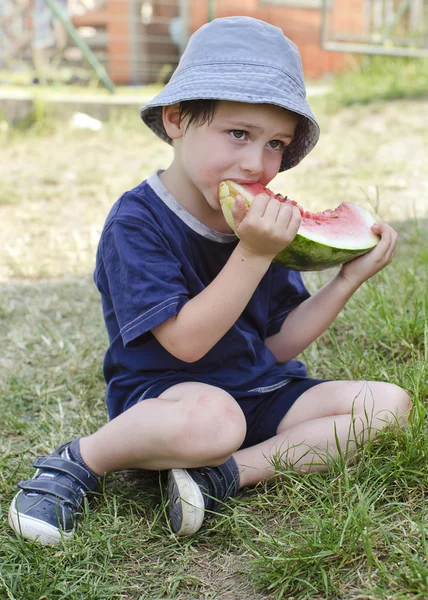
(57, 187)
(355, 533)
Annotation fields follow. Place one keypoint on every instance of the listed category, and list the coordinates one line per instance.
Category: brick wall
(301, 25)
(135, 52)
(157, 49)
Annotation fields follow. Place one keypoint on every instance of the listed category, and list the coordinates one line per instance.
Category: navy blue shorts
(263, 412)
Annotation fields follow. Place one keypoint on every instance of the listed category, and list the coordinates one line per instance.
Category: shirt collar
(158, 187)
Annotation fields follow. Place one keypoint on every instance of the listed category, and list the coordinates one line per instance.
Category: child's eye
(277, 144)
(241, 134)
(238, 134)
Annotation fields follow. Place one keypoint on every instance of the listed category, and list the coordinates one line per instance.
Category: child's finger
(294, 222)
(376, 228)
(289, 216)
(258, 205)
(384, 231)
(239, 209)
(392, 245)
(385, 249)
(272, 210)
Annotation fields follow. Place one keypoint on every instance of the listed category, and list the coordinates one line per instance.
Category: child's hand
(267, 227)
(362, 268)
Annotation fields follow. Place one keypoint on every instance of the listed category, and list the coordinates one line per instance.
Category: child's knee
(209, 427)
(403, 402)
(396, 401)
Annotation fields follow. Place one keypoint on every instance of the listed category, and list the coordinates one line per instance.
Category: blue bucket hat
(240, 59)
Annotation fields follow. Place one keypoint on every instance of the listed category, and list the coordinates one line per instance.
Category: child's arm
(312, 317)
(268, 227)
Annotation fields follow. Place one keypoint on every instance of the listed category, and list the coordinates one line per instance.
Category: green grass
(23, 80)
(358, 531)
(374, 78)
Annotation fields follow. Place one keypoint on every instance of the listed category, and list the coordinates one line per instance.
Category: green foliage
(375, 78)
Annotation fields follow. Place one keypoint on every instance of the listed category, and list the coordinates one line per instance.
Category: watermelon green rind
(306, 255)
(311, 250)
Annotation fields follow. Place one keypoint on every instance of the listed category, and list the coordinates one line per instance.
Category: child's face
(244, 142)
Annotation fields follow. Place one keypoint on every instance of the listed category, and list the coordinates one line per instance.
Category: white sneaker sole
(34, 529)
(184, 490)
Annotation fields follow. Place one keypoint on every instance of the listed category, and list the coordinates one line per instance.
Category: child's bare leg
(189, 425)
(338, 410)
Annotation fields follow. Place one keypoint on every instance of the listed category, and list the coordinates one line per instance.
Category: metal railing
(388, 27)
(134, 41)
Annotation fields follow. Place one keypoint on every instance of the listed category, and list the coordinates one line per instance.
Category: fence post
(211, 10)
(80, 43)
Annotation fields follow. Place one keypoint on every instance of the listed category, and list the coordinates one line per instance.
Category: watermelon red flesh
(324, 239)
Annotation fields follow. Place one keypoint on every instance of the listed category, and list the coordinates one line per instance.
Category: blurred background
(139, 42)
(73, 74)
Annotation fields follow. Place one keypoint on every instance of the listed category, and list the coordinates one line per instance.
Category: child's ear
(171, 121)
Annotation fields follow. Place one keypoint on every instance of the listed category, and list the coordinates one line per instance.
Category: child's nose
(252, 160)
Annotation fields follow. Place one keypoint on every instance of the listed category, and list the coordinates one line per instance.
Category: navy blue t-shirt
(153, 257)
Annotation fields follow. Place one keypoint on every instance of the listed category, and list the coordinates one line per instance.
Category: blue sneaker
(194, 492)
(46, 507)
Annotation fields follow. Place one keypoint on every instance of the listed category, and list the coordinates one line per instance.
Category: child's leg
(191, 430)
(189, 425)
(347, 411)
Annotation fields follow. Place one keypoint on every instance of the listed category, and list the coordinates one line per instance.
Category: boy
(204, 330)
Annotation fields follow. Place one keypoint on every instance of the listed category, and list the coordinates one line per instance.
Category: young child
(201, 371)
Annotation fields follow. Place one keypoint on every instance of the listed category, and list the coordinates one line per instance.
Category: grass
(358, 531)
(368, 78)
(22, 80)
(374, 78)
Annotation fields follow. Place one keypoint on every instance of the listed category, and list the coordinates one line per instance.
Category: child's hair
(197, 111)
(200, 112)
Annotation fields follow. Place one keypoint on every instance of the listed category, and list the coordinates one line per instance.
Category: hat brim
(253, 84)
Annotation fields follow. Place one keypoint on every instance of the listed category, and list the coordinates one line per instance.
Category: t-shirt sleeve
(287, 292)
(145, 281)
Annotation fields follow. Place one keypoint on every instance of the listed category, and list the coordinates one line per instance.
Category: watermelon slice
(324, 239)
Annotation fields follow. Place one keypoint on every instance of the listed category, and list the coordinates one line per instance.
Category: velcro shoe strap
(53, 488)
(55, 463)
